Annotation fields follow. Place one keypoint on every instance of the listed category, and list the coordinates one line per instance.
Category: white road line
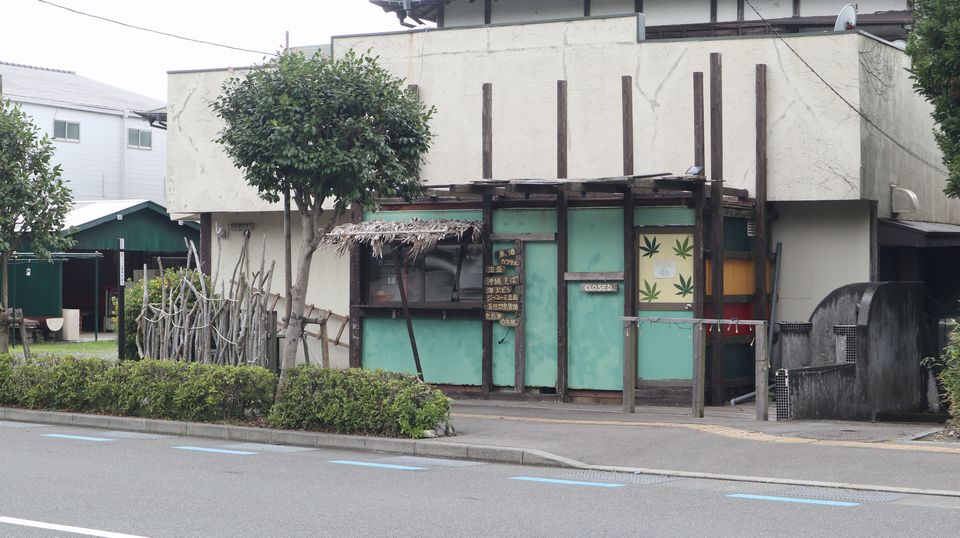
(65, 528)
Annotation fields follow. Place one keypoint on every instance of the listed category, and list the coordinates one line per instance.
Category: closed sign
(599, 287)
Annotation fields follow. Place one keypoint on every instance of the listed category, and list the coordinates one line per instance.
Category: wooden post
(487, 130)
(629, 366)
(487, 11)
(406, 311)
(629, 249)
(356, 279)
(24, 337)
(519, 338)
(761, 239)
(486, 360)
(699, 370)
(325, 345)
(716, 201)
(762, 369)
(561, 295)
(562, 129)
(698, 132)
(626, 96)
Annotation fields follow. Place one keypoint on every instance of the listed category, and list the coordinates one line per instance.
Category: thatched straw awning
(421, 235)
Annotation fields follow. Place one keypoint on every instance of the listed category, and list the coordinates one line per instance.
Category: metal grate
(428, 462)
(798, 327)
(782, 391)
(621, 478)
(836, 494)
(849, 332)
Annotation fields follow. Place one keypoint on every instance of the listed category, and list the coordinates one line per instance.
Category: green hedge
(151, 389)
(358, 401)
(950, 375)
(313, 398)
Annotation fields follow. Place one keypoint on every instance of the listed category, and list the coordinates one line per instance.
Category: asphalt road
(144, 485)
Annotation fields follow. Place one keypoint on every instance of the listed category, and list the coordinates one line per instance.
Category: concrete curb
(779, 481)
(406, 447)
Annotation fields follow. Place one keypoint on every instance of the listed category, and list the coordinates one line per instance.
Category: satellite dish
(847, 20)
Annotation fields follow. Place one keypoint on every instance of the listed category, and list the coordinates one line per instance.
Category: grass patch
(101, 347)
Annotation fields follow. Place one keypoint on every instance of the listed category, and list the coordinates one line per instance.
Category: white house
(106, 149)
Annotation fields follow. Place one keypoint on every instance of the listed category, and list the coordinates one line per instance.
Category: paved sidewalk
(727, 441)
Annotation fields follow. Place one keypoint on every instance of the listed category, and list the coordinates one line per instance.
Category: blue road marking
(567, 482)
(791, 500)
(378, 465)
(77, 437)
(215, 450)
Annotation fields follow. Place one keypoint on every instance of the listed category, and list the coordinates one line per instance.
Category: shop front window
(451, 273)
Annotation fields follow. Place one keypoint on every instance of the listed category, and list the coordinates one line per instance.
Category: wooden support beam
(441, 14)
(626, 96)
(638, 6)
(402, 286)
(486, 361)
(740, 10)
(586, 8)
(713, 10)
(699, 370)
(762, 371)
(796, 8)
(716, 174)
(698, 132)
(487, 129)
(562, 138)
(699, 238)
(357, 255)
(629, 303)
(761, 239)
(487, 11)
(561, 296)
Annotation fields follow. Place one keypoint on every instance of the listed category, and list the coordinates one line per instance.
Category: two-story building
(106, 149)
(801, 132)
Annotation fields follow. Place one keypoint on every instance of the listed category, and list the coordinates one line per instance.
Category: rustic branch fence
(193, 322)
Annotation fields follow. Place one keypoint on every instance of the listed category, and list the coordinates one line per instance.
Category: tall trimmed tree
(934, 47)
(34, 202)
(333, 132)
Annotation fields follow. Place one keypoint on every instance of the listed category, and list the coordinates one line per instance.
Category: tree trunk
(298, 292)
(5, 313)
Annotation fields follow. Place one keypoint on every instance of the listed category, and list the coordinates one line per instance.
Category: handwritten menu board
(503, 288)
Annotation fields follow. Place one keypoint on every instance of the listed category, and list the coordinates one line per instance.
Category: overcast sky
(39, 34)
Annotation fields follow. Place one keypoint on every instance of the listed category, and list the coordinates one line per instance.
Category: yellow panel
(738, 277)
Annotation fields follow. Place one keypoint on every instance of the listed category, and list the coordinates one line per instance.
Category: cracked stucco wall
(814, 138)
(888, 100)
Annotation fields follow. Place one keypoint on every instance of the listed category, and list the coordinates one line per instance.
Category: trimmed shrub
(150, 388)
(950, 375)
(6, 372)
(358, 401)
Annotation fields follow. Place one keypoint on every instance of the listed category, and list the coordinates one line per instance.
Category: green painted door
(664, 286)
(539, 301)
(595, 331)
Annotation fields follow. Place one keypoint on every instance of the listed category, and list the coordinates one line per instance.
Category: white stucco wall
(200, 176)
(825, 245)
(329, 285)
(890, 102)
(813, 142)
(101, 166)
